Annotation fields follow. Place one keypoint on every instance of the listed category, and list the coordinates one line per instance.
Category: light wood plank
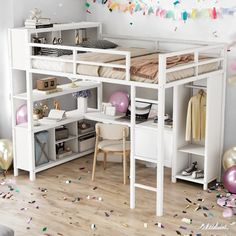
(61, 216)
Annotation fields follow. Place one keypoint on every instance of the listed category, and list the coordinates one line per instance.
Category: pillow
(101, 44)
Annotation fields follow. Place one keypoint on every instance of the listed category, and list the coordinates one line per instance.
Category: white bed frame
(199, 47)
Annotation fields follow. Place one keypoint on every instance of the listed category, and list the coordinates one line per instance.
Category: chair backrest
(112, 131)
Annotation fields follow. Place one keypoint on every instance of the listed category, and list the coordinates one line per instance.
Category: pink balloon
(21, 115)
(120, 100)
(233, 65)
(229, 179)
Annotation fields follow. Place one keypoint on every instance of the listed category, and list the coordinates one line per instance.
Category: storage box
(61, 133)
(87, 142)
(41, 148)
(86, 126)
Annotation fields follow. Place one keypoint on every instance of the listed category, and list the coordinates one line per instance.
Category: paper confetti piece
(183, 227)
(145, 225)
(93, 226)
(187, 221)
(188, 200)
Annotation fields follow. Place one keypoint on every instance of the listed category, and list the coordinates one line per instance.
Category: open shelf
(62, 160)
(71, 137)
(193, 149)
(71, 116)
(66, 89)
(189, 178)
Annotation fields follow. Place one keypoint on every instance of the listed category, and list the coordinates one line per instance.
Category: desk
(101, 117)
(146, 134)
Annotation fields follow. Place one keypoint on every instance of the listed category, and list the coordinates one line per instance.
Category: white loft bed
(191, 72)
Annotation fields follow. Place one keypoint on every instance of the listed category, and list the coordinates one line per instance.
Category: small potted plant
(40, 110)
(82, 100)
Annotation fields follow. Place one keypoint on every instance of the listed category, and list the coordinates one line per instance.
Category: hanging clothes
(196, 117)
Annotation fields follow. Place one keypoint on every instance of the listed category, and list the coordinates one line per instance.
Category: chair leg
(94, 163)
(124, 167)
(105, 160)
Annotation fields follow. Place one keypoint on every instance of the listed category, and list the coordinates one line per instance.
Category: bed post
(132, 157)
(224, 76)
(160, 140)
(127, 65)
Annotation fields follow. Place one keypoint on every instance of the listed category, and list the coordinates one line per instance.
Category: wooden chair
(111, 138)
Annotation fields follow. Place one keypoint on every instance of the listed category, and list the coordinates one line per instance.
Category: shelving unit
(23, 134)
(207, 153)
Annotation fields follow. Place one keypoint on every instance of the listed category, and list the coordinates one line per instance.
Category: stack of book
(38, 23)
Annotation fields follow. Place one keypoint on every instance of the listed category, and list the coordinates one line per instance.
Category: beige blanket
(93, 70)
(147, 66)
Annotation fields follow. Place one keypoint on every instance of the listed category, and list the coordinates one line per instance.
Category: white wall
(12, 14)
(6, 20)
(199, 29)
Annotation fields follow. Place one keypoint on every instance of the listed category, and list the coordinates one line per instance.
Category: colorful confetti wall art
(176, 12)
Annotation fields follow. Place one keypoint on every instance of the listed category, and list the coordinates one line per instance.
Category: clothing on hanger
(196, 117)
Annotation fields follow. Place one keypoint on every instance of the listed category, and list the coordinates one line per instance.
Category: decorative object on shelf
(120, 100)
(60, 147)
(36, 20)
(36, 120)
(57, 105)
(55, 116)
(64, 153)
(6, 154)
(82, 100)
(38, 39)
(45, 84)
(108, 109)
(81, 36)
(40, 109)
(229, 158)
(229, 179)
(73, 83)
(21, 115)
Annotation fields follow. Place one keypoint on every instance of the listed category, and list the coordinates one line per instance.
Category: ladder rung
(145, 187)
(145, 159)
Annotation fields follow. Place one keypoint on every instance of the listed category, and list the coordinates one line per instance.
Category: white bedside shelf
(189, 178)
(193, 149)
(66, 89)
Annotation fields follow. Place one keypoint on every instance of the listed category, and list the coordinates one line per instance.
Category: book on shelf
(38, 21)
(55, 116)
(38, 26)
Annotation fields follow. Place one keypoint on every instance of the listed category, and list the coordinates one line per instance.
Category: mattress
(137, 54)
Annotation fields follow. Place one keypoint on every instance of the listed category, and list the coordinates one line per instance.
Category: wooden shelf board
(62, 160)
(66, 89)
(190, 179)
(193, 149)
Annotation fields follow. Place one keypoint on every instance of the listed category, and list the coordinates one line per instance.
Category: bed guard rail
(75, 51)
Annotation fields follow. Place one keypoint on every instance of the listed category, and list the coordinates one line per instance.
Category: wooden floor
(57, 204)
